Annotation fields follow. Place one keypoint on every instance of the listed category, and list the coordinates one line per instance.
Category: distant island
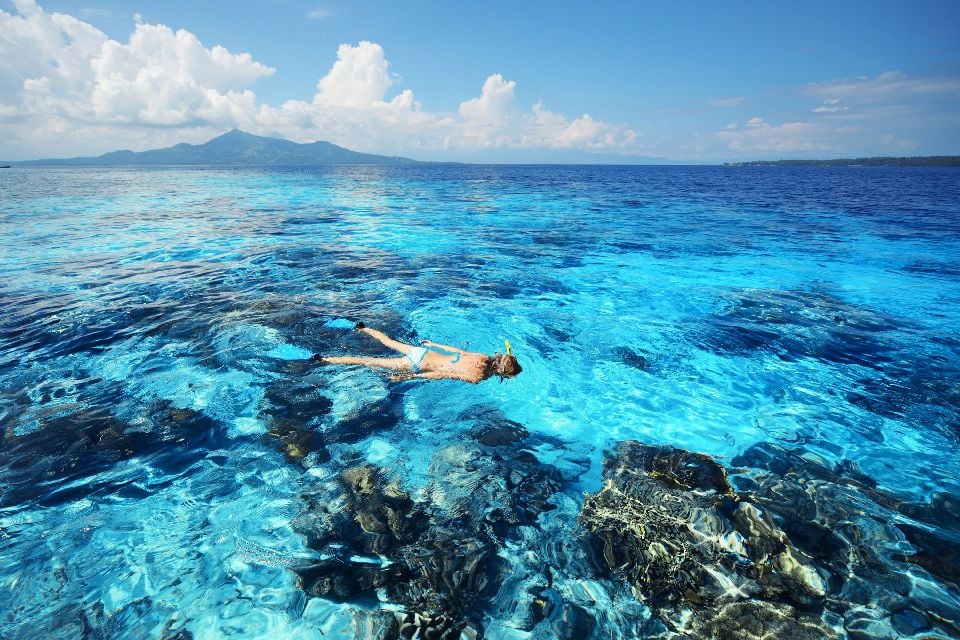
(234, 148)
(919, 161)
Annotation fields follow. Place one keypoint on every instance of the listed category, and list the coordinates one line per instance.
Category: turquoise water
(151, 380)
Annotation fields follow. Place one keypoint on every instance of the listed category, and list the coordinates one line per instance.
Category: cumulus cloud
(62, 79)
(359, 77)
(64, 82)
(162, 77)
(351, 107)
(496, 101)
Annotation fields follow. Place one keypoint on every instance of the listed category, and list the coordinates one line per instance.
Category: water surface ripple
(166, 453)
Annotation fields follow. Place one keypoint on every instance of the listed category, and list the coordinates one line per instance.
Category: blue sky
(682, 81)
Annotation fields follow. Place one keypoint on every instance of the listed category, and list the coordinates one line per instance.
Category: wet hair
(503, 365)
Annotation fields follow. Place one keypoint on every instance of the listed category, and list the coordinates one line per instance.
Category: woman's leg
(395, 364)
(387, 340)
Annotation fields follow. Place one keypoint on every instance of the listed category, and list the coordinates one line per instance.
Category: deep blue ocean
(173, 466)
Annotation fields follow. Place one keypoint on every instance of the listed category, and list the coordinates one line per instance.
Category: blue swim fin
(340, 323)
(289, 352)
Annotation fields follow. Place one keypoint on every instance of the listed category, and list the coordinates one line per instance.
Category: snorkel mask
(500, 361)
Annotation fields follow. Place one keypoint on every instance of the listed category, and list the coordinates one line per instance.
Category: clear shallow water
(155, 415)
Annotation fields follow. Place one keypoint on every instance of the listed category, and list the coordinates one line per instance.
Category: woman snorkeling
(430, 363)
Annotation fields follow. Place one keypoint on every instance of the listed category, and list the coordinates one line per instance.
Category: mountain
(231, 149)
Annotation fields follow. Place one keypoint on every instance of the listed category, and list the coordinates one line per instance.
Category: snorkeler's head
(504, 365)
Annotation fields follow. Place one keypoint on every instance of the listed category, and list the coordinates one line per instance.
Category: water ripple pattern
(163, 434)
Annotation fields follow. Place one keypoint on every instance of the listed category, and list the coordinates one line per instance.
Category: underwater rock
(934, 553)
(416, 627)
(295, 401)
(752, 620)
(489, 489)
(296, 442)
(375, 625)
(381, 539)
(673, 467)
(47, 464)
(798, 324)
(498, 433)
(848, 526)
(669, 523)
(441, 556)
(909, 621)
(574, 623)
(291, 409)
(631, 358)
(925, 391)
(297, 413)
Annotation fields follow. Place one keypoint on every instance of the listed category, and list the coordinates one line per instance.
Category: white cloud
(166, 78)
(351, 108)
(554, 131)
(67, 88)
(495, 103)
(359, 77)
(831, 105)
(858, 116)
(724, 103)
(886, 86)
(318, 13)
(759, 136)
(63, 77)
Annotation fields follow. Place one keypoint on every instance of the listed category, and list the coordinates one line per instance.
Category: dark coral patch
(796, 546)
(797, 324)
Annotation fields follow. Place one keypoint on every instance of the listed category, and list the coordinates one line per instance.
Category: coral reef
(783, 548)
(799, 324)
(47, 464)
(668, 522)
(438, 557)
(876, 550)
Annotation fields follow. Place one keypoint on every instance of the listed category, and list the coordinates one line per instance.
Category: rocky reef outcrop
(435, 557)
(785, 548)
(669, 522)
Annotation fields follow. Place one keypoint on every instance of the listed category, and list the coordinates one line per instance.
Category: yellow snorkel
(506, 343)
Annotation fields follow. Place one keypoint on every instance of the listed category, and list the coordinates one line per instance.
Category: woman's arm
(433, 375)
(426, 375)
(444, 347)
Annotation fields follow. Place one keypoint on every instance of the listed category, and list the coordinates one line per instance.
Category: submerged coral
(438, 557)
(788, 549)
(851, 529)
(799, 324)
(47, 465)
(668, 522)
